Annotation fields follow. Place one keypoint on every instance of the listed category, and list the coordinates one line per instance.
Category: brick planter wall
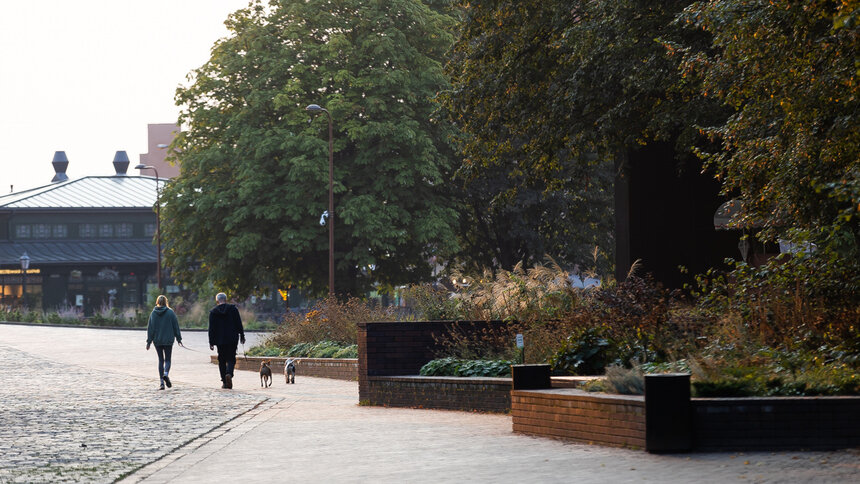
(401, 349)
(716, 424)
(777, 423)
(449, 393)
(566, 413)
(337, 368)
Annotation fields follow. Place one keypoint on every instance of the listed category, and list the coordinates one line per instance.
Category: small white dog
(290, 370)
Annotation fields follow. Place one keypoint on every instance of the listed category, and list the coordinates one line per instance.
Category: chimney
(60, 163)
(120, 163)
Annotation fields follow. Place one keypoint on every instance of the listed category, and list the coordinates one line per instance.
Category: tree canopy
(764, 90)
(791, 148)
(547, 95)
(254, 180)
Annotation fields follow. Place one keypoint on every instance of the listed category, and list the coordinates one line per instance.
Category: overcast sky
(87, 76)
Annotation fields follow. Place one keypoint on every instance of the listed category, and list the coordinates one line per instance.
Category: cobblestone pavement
(64, 423)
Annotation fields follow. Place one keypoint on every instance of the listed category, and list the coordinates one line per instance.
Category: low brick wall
(716, 424)
(337, 368)
(398, 348)
(566, 413)
(776, 423)
(440, 392)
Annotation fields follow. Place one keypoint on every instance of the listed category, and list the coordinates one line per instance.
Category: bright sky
(87, 76)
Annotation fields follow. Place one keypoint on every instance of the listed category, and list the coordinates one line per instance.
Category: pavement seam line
(182, 448)
(201, 454)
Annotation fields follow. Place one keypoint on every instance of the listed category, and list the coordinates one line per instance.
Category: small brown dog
(265, 374)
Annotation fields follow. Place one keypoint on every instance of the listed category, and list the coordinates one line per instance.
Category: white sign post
(521, 345)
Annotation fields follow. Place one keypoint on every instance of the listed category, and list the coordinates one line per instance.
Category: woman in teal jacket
(163, 328)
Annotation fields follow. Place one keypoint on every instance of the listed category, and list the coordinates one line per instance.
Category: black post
(330, 206)
(668, 422)
(530, 377)
(23, 287)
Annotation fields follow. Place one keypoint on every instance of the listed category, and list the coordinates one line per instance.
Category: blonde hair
(161, 301)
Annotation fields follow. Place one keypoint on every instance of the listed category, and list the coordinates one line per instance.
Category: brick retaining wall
(449, 393)
(717, 424)
(566, 413)
(337, 368)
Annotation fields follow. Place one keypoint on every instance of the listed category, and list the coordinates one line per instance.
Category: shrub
(10, 315)
(430, 302)
(441, 367)
(638, 317)
(626, 381)
(787, 298)
(492, 343)
(751, 370)
(467, 368)
(264, 350)
(329, 320)
(298, 349)
(350, 351)
(587, 353)
(324, 349)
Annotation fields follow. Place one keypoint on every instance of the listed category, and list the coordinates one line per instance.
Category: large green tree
(791, 149)
(548, 95)
(254, 180)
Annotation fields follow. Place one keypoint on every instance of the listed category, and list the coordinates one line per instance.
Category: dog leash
(189, 349)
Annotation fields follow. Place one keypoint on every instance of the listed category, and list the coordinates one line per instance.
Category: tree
(254, 179)
(791, 149)
(548, 95)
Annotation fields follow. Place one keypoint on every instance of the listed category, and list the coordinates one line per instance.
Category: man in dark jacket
(225, 332)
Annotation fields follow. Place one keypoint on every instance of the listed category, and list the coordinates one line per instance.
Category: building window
(87, 231)
(22, 231)
(41, 231)
(149, 230)
(125, 230)
(60, 231)
(105, 230)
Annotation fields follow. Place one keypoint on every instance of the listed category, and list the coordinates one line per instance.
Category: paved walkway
(64, 388)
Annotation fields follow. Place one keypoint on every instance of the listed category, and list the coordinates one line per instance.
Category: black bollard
(668, 422)
(530, 377)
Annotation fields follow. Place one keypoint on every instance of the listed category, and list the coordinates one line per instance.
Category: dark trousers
(164, 352)
(226, 359)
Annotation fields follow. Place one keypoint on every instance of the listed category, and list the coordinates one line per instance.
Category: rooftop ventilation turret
(60, 163)
(120, 163)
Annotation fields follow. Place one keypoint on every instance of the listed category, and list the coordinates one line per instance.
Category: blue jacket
(163, 327)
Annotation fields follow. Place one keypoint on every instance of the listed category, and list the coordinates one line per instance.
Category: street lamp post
(25, 264)
(315, 109)
(157, 221)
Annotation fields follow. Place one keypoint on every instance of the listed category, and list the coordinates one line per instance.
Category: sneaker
(161, 387)
(228, 381)
(167, 381)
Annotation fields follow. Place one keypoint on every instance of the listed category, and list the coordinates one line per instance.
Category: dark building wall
(664, 216)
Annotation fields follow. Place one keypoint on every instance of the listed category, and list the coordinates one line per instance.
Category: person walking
(163, 327)
(225, 332)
